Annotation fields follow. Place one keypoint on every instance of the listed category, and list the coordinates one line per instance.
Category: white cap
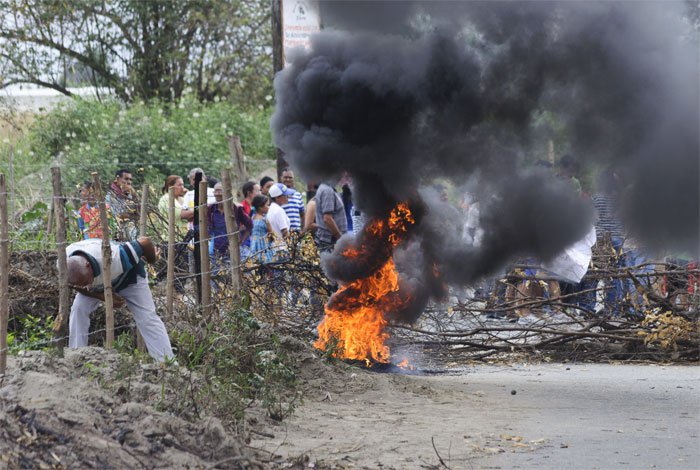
(277, 190)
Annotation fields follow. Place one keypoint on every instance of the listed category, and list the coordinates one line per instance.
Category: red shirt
(91, 217)
(246, 207)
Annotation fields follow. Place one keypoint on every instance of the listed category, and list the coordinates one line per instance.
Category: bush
(238, 362)
(153, 140)
(35, 333)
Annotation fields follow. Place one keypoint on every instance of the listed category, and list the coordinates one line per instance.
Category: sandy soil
(80, 412)
(519, 416)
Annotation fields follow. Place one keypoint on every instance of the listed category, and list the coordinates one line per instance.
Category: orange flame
(355, 315)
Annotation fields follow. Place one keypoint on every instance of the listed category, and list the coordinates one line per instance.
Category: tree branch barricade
(645, 311)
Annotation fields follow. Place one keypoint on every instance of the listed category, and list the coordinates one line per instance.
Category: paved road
(579, 416)
(596, 416)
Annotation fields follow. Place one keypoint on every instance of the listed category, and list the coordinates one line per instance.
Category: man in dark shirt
(218, 250)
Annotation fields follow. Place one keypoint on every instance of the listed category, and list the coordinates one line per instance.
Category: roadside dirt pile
(87, 410)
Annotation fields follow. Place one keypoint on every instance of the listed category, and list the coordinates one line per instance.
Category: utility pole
(277, 50)
(278, 64)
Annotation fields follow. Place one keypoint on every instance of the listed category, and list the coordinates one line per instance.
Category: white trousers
(140, 302)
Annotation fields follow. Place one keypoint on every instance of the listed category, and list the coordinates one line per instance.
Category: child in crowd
(259, 238)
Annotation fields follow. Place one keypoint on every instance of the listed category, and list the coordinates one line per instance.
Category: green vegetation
(237, 362)
(230, 364)
(35, 333)
(154, 140)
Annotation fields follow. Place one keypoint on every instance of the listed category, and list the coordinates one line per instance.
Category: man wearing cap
(277, 217)
(129, 284)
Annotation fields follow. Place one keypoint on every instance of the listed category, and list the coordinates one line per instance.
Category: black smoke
(452, 96)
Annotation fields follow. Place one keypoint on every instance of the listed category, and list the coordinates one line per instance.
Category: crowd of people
(267, 216)
(270, 213)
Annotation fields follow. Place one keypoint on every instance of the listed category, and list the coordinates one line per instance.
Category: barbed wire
(128, 164)
(70, 198)
(292, 303)
(642, 268)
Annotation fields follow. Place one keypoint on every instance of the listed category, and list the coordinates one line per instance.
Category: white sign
(300, 20)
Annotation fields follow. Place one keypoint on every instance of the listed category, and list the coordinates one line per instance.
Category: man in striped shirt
(295, 207)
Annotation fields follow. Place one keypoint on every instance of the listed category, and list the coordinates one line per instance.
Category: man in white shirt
(189, 202)
(277, 217)
(129, 284)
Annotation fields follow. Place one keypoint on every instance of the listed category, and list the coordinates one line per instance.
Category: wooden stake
(232, 228)
(106, 262)
(170, 294)
(278, 55)
(60, 326)
(204, 250)
(197, 258)
(143, 216)
(4, 274)
(237, 160)
(12, 185)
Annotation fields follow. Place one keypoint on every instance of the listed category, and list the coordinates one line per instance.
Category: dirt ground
(79, 411)
(517, 416)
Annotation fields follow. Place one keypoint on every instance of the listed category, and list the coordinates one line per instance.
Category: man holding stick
(129, 282)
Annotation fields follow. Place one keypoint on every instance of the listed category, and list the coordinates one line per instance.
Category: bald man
(129, 285)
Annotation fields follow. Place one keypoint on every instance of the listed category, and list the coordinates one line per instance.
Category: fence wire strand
(618, 309)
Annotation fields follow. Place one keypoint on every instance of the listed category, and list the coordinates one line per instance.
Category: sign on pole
(301, 19)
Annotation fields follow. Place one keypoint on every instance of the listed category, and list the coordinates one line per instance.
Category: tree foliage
(139, 49)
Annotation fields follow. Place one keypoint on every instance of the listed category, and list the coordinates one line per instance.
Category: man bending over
(129, 284)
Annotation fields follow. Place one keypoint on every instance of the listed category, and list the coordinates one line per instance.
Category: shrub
(35, 333)
(238, 361)
(153, 140)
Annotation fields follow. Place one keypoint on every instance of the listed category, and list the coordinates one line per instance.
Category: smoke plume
(452, 96)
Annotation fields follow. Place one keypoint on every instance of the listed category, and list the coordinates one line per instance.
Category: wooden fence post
(237, 160)
(550, 151)
(12, 185)
(143, 217)
(204, 250)
(198, 177)
(106, 262)
(4, 274)
(60, 327)
(169, 297)
(232, 228)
